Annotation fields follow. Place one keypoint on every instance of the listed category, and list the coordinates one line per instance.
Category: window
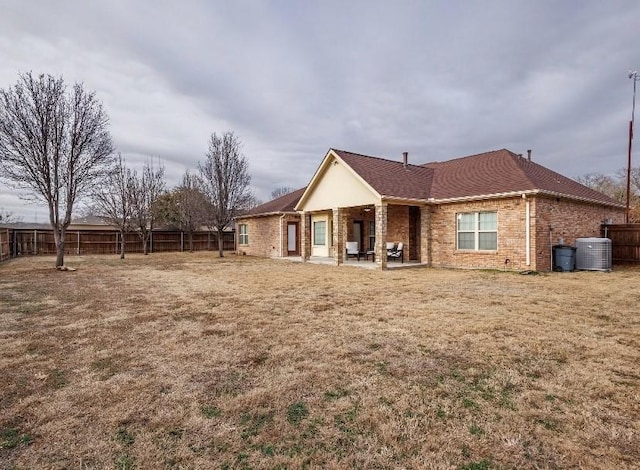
(478, 231)
(243, 235)
(320, 232)
(372, 235)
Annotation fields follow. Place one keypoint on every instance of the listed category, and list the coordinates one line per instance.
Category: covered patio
(367, 230)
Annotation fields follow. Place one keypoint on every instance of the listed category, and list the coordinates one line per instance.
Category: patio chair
(390, 247)
(352, 250)
(396, 253)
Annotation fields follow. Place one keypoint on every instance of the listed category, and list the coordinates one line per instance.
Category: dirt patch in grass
(192, 361)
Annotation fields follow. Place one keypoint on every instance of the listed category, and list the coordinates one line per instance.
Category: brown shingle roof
(284, 203)
(390, 178)
(502, 171)
(490, 173)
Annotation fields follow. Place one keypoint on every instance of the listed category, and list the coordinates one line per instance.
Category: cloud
(292, 79)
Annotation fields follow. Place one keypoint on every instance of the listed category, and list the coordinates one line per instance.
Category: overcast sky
(293, 78)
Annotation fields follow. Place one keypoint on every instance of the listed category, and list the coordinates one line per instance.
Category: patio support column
(305, 236)
(338, 235)
(381, 235)
(425, 235)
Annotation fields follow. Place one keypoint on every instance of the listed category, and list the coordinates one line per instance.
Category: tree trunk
(145, 244)
(122, 244)
(58, 237)
(221, 242)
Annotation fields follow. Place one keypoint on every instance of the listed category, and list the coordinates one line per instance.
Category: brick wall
(511, 235)
(264, 235)
(557, 219)
(570, 220)
(398, 226)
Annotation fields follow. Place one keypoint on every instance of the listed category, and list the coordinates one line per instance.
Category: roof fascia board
(266, 214)
(582, 199)
(530, 192)
(401, 200)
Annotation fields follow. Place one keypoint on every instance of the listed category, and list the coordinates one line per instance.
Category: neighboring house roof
(279, 205)
(489, 174)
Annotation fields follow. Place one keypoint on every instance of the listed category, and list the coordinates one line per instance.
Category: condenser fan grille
(593, 254)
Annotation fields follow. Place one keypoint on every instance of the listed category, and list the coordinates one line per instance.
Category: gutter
(532, 192)
(266, 214)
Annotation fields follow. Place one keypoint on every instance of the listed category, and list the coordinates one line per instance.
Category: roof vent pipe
(405, 158)
(529, 154)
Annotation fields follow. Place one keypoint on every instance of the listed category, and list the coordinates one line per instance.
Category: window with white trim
(243, 234)
(320, 233)
(477, 231)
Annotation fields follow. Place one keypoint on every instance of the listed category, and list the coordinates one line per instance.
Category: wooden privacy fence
(5, 245)
(19, 242)
(625, 242)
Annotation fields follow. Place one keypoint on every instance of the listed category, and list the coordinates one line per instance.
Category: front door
(292, 239)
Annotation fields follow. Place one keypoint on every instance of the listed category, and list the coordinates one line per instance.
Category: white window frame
(243, 234)
(323, 224)
(476, 231)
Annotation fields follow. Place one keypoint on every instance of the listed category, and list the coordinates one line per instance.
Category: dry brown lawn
(192, 361)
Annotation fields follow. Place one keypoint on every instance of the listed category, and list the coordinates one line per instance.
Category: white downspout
(281, 240)
(527, 230)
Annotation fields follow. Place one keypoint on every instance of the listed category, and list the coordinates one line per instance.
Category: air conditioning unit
(593, 254)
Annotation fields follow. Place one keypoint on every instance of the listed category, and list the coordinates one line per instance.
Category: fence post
(117, 235)
(181, 241)
(78, 242)
(35, 242)
(151, 242)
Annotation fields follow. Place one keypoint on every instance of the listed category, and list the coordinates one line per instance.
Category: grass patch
(210, 412)
(11, 438)
(297, 412)
(124, 437)
(195, 361)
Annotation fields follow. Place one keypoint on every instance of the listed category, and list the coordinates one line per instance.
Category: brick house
(492, 210)
(271, 229)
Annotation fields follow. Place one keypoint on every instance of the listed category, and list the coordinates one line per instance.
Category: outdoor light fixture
(633, 76)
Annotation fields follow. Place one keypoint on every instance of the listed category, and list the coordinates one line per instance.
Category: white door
(320, 235)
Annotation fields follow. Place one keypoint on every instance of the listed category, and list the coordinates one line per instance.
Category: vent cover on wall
(593, 254)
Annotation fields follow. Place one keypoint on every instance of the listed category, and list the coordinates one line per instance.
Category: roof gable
(336, 184)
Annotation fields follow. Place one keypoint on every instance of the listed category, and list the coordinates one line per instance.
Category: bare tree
(612, 186)
(616, 188)
(7, 217)
(281, 191)
(113, 200)
(225, 176)
(148, 188)
(53, 144)
(191, 205)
